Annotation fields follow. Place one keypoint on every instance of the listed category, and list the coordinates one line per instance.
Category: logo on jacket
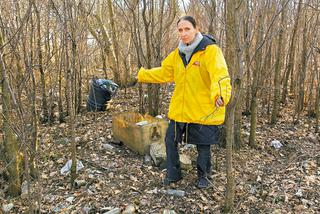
(196, 63)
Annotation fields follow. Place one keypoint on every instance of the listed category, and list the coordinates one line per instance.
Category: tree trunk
(255, 82)
(278, 66)
(11, 155)
(41, 70)
(317, 107)
(302, 73)
(234, 59)
(69, 87)
(290, 64)
(247, 39)
(115, 44)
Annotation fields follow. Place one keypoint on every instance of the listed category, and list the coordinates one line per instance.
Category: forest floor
(268, 180)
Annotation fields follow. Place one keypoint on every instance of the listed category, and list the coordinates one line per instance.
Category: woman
(197, 107)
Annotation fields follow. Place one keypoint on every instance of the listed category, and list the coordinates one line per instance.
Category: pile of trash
(101, 91)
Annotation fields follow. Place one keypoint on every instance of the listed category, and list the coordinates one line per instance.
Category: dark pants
(174, 137)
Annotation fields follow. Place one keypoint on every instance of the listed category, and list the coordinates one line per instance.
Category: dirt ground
(268, 180)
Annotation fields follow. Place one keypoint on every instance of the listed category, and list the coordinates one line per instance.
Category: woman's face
(186, 31)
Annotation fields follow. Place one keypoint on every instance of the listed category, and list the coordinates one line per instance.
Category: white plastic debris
(299, 193)
(67, 167)
(70, 199)
(159, 116)
(142, 123)
(174, 192)
(108, 147)
(114, 211)
(276, 144)
(7, 207)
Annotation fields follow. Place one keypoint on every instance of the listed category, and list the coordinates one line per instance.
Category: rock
(114, 211)
(147, 159)
(185, 161)
(7, 207)
(174, 192)
(167, 211)
(70, 199)
(158, 153)
(108, 147)
(129, 209)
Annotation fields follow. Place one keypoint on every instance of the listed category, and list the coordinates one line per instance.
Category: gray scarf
(188, 49)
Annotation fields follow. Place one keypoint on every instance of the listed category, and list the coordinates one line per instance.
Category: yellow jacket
(197, 85)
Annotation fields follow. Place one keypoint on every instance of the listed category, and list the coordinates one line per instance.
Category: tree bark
(302, 72)
(234, 59)
(278, 66)
(255, 82)
(41, 70)
(290, 63)
(11, 151)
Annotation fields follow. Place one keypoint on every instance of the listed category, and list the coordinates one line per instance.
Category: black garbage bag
(101, 91)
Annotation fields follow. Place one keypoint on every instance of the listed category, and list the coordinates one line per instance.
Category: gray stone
(158, 153)
(147, 159)
(185, 159)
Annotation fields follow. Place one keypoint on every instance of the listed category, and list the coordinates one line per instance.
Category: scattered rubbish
(86, 209)
(70, 199)
(174, 192)
(138, 131)
(259, 178)
(24, 190)
(276, 144)
(7, 207)
(58, 208)
(299, 193)
(114, 211)
(100, 92)
(79, 183)
(167, 211)
(67, 167)
(129, 209)
(189, 146)
(108, 147)
(154, 191)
